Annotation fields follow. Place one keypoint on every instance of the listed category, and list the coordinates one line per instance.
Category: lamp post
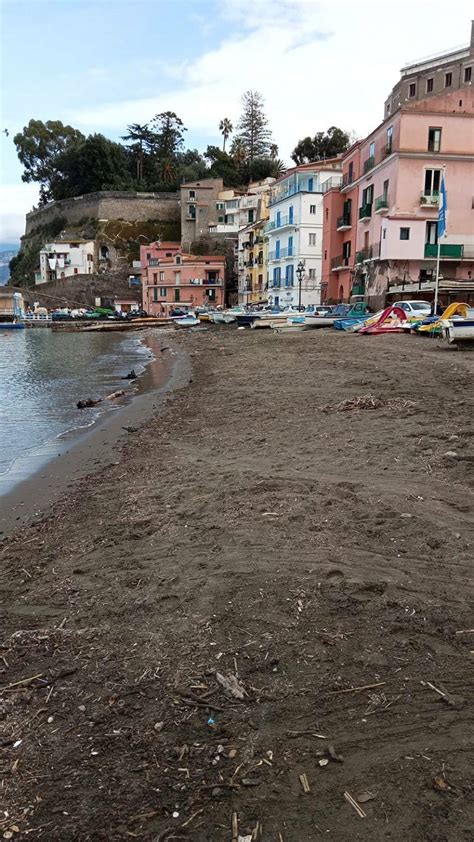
(300, 276)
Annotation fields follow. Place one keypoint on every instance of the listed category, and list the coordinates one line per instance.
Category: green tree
(223, 166)
(94, 164)
(322, 145)
(168, 131)
(226, 128)
(39, 146)
(253, 128)
(141, 140)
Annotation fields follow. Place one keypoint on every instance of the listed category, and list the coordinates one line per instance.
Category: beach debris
(113, 395)
(131, 429)
(323, 762)
(250, 782)
(365, 796)
(440, 783)
(231, 685)
(131, 375)
(338, 758)
(453, 701)
(368, 402)
(235, 827)
(355, 805)
(305, 783)
(88, 402)
(158, 726)
(211, 721)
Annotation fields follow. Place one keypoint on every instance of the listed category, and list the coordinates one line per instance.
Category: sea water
(43, 374)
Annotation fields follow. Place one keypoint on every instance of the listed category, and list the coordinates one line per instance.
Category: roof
(313, 165)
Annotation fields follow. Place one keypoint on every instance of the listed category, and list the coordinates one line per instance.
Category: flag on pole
(442, 207)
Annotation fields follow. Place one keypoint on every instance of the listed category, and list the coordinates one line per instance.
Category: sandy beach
(260, 611)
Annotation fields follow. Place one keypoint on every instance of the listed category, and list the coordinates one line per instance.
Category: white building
(295, 232)
(63, 259)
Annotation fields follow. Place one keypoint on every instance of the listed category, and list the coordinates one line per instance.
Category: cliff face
(118, 223)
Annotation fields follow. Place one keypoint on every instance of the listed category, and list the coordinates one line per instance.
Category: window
(429, 85)
(312, 274)
(389, 140)
(412, 90)
(177, 277)
(192, 194)
(368, 195)
(404, 233)
(155, 277)
(312, 239)
(177, 294)
(277, 249)
(385, 190)
(251, 213)
(432, 182)
(191, 212)
(310, 184)
(384, 233)
(229, 219)
(312, 209)
(467, 74)
(350, 175)
(290, 246)
(372, 150)
(148, 256)
(289, 276)
(163, 292)
(325, 254)
(155, 293)
(220, 219)
(232, 203)
(178, 259)
(276, 276)
(346, 251)
(434, 139)
(388, 108)
(448, 80)
(290, 214)
(431, 235)
(220, 206)
(162, 276)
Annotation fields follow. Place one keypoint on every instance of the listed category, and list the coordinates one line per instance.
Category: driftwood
(84, 404)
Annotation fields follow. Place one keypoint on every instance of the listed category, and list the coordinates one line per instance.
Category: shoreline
(95, 447)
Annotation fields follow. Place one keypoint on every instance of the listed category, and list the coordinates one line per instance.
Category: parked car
(414, 309)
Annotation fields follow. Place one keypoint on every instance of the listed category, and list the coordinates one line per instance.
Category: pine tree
(253, 128)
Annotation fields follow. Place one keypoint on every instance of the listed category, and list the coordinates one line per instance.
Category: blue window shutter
(290, 274)
(277, 248)
(290, 245)
(310, 184)
(290, 214)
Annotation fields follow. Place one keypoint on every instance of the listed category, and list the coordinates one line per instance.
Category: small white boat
(187, 321)
(289, 326)
(458, 330)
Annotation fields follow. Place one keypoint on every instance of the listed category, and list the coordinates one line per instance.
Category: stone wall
(131, 207)
(82, 290)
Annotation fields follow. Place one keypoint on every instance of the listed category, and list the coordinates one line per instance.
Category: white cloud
(317, 64)
(15, 201)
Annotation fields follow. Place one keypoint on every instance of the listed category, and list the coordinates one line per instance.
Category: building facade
(172, 279)
(340, 209)
(64, 259)
(253, 245)
(444, 73)
(295, 233)
(403, 162)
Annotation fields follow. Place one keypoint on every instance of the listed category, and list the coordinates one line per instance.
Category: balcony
(381, 204)
(448, 251)
(347, 178)
(340, 262)
(369, 253)
(369, 163)
(365, 212)
(344, 222)
(275, 224)
(154, 261)
(358, 288)
(285, 252)
(387, 150)
(430, 200)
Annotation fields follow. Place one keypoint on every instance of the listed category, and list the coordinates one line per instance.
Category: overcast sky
(100, 65)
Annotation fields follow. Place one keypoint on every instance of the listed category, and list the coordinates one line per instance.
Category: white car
(414, 309)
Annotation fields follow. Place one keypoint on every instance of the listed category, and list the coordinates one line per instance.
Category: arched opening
(341, 293)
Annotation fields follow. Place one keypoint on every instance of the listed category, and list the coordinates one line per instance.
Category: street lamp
(300, 276)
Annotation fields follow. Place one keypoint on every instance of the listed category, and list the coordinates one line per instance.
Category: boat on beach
(187, 321)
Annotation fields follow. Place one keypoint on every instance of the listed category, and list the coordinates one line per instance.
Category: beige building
(449, 71)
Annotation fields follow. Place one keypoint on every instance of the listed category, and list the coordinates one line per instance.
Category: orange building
(340, 209)
(171, 279)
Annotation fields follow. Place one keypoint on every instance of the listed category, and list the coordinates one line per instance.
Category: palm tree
(225, 128)
(279, 168)
(239, 151)
(273, 151)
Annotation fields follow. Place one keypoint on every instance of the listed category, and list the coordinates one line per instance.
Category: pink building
(172, 279)
(402, 162)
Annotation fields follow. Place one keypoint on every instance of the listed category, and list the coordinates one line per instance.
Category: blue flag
(442, 208)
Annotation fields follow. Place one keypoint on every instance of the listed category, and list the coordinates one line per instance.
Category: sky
(102, 65)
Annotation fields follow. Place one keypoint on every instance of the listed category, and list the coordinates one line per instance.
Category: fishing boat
(290, 326)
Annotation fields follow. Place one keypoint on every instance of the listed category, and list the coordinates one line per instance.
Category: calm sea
(43, 375)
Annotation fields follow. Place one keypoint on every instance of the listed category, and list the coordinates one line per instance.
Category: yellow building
(253, 256)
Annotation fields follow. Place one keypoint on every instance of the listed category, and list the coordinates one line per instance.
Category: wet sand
(260, 531)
